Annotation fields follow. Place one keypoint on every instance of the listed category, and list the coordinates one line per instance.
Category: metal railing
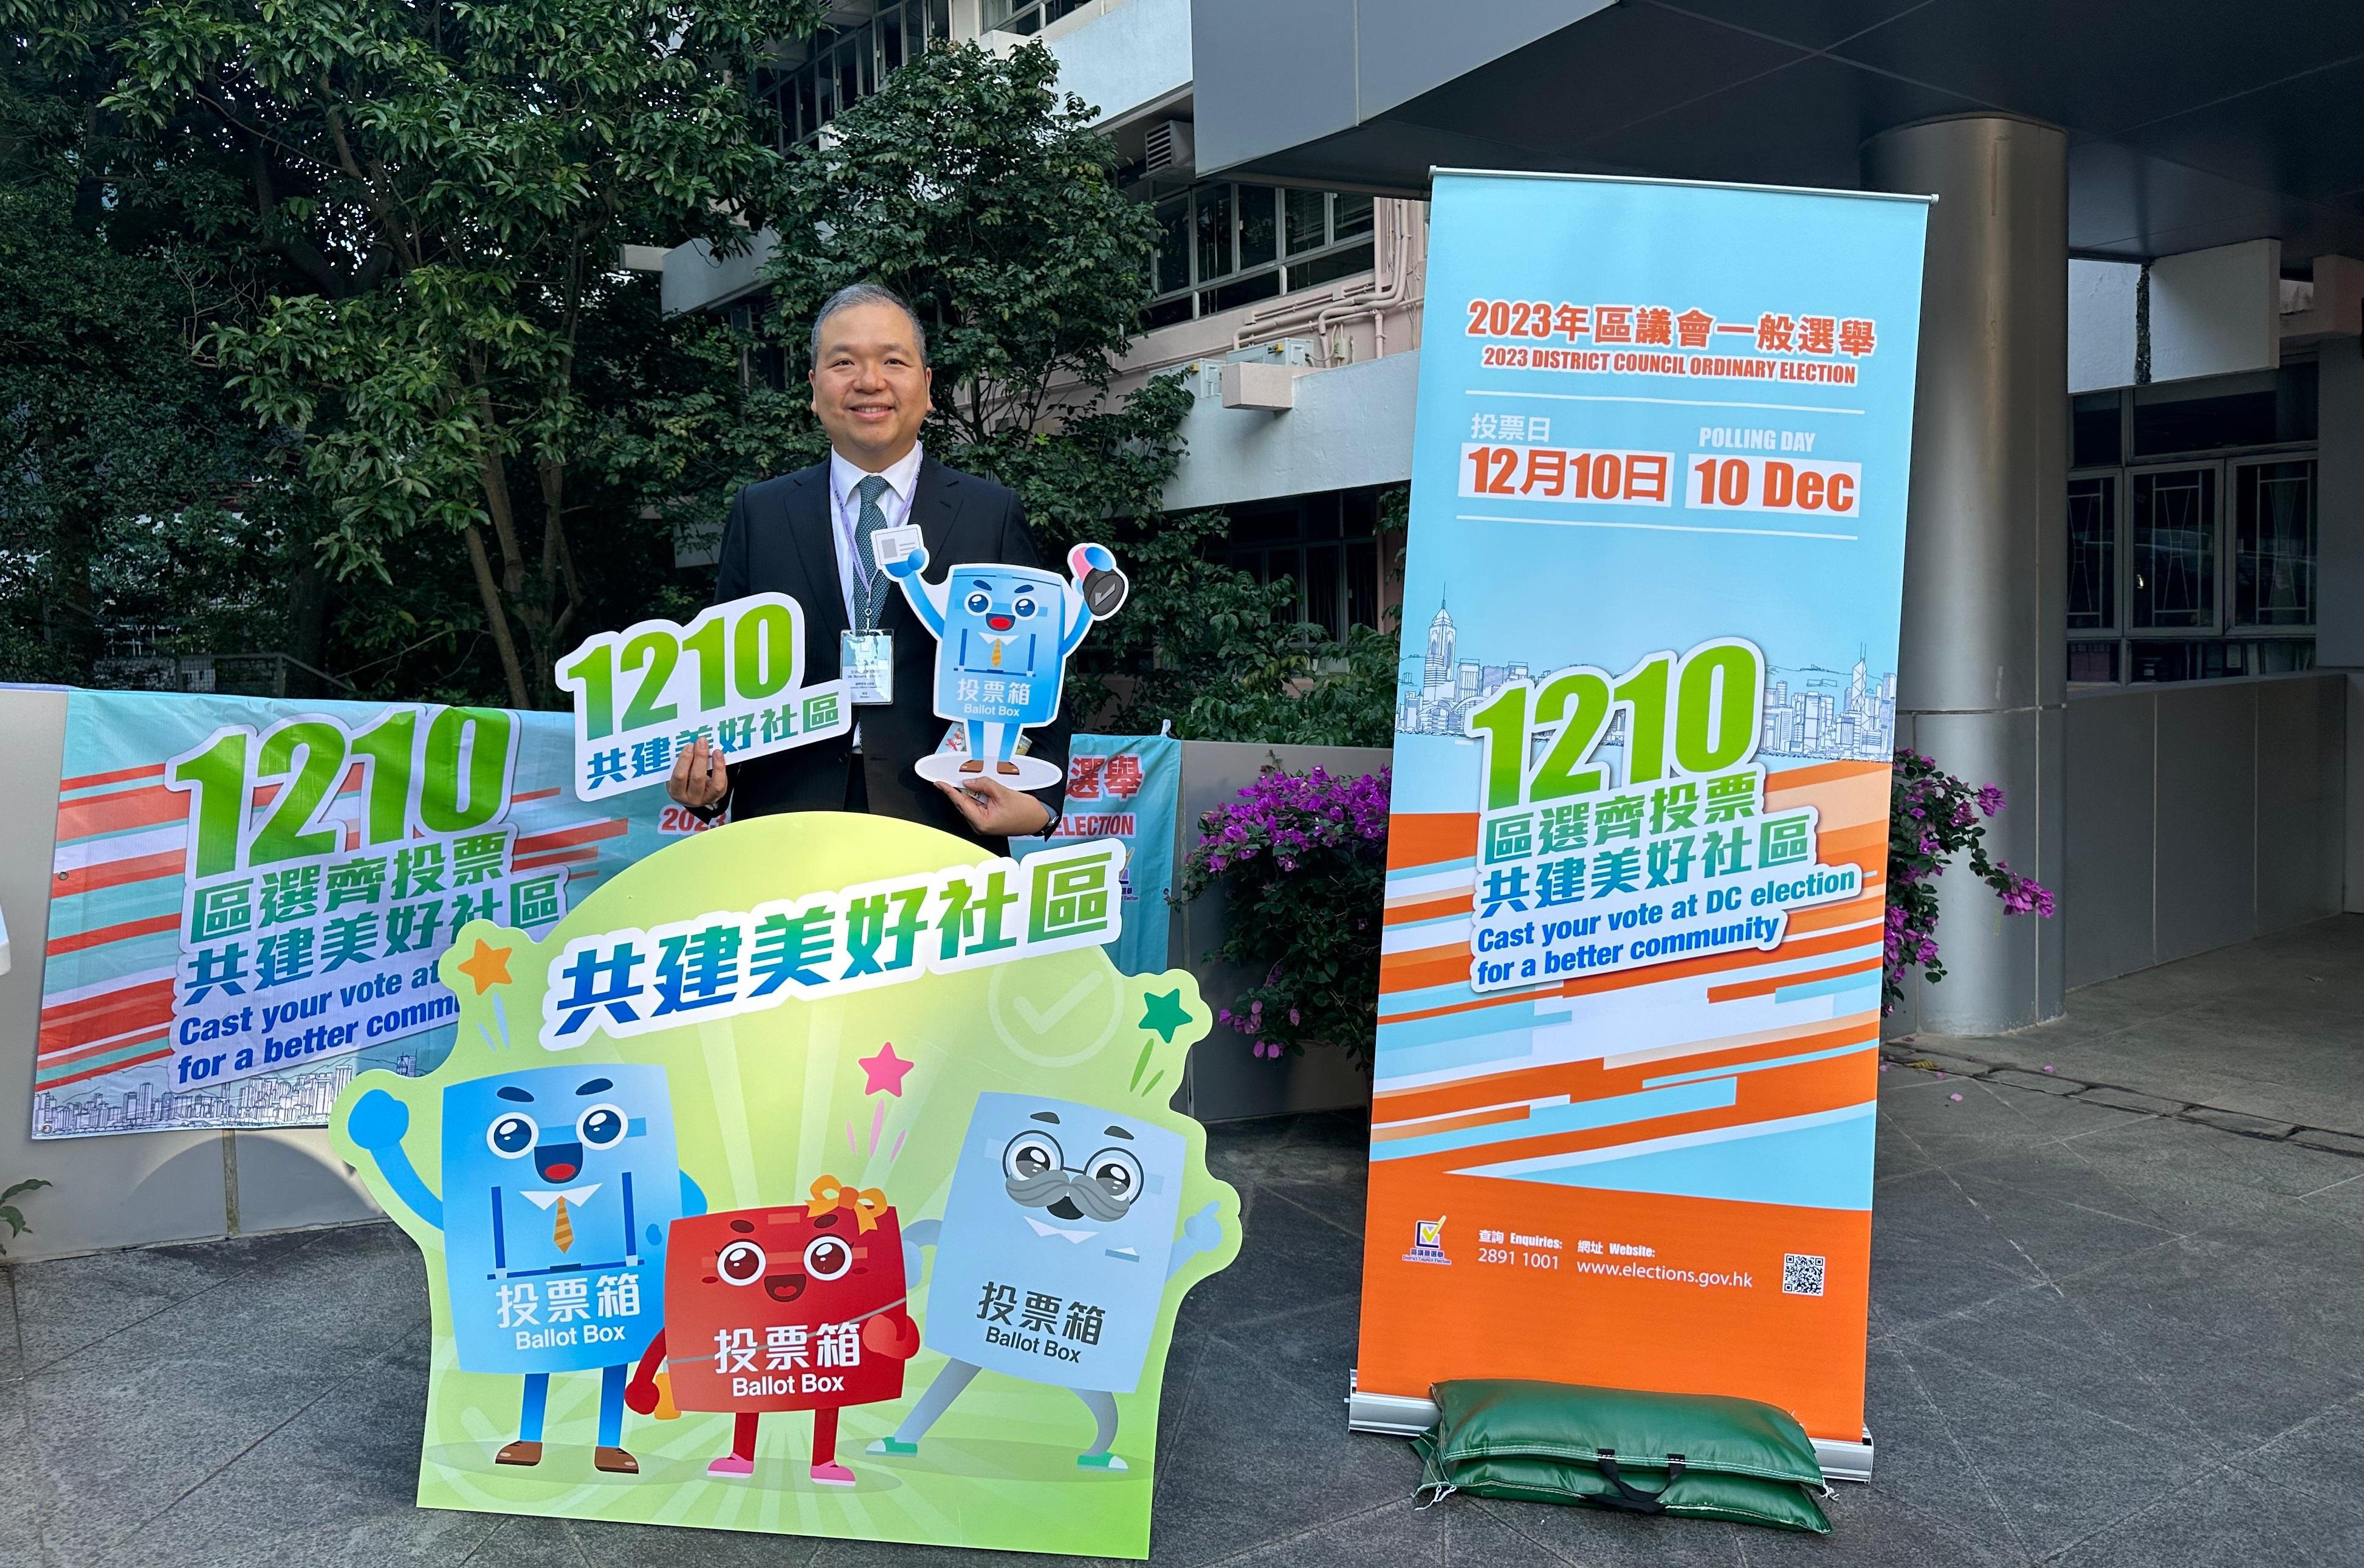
(226, 675)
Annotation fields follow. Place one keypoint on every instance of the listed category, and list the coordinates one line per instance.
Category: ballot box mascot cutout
(1003, 635)
(859, 1130)
(786, 1308)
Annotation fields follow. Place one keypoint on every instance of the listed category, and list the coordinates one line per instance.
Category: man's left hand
(996, 810)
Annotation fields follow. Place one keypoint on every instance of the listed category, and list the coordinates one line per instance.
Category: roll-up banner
(1630, 1003)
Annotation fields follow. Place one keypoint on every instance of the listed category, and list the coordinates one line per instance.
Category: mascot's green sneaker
(898, 1449)
(1101, 1461)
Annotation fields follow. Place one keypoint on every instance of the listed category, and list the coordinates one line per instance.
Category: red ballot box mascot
(787, 1308)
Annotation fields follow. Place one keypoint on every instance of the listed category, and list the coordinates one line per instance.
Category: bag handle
(1628, 1497)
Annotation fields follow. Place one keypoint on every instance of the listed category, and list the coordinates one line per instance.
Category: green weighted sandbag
(1700, 1455)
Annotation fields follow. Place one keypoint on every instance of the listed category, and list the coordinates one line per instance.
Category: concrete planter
(1224, 1082)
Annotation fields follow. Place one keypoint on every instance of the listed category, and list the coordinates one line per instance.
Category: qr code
(1801, 1275)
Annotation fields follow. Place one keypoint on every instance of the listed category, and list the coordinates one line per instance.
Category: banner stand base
(1388, 1414)
(1844, 1460)
(1396, 1416)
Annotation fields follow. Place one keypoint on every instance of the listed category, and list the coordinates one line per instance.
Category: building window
(2093, 552)
(2273, 544)
(1222, 245)
(2092, 663)
(2208, 658)
(1026, 18)
(842, 66)
(2175, 548)
(2263, 409)
(765, 362)
(1327, 544)
(2095, 438)
(2187, 568)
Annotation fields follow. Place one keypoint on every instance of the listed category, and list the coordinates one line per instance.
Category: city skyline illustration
(1810, 712)
(300, 1099)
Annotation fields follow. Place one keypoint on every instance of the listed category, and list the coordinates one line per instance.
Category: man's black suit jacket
(782, 538)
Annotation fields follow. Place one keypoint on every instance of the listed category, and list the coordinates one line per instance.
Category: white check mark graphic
(1047, 1020)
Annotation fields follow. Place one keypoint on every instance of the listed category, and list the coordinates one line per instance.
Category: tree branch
(372, 196)
(307, 257)
(495, 619)
(374, 268)
(492, 474)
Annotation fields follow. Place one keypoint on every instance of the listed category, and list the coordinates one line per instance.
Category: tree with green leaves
(972, 187)
(452, 185)
(129, 498)
(135, 507)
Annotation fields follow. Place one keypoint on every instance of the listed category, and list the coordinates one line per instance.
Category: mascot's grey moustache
(1042, 1191)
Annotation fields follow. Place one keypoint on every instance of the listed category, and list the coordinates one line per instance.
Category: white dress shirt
(843, 480)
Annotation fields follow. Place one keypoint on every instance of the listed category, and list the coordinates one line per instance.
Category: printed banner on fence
(251, 895)
(1630, 989)
(1127, 787)
(817, 1118)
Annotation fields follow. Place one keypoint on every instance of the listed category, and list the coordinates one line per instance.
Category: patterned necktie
(869, 583)
(562, 1235)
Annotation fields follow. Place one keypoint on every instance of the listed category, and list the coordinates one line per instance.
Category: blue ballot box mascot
(1003, 635)
(560, 1185)
(1053, 1256)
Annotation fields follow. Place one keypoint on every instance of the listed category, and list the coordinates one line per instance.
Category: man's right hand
(699, 780)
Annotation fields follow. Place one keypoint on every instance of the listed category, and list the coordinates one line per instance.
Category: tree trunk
(308, 594)
(72, 629)
(525, 592)
(497, 620)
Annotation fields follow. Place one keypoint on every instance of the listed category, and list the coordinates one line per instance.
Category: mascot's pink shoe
(833, 1475)
(732, 1464)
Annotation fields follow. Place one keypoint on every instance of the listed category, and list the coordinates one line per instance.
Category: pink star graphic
(884, 1070)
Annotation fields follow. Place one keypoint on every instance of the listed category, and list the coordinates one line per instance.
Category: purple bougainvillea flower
(1301, 858)
(1934, 819)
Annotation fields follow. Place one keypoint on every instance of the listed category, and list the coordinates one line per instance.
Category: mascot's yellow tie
(562, 1234)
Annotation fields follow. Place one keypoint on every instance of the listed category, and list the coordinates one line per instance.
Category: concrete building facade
(2134, 585)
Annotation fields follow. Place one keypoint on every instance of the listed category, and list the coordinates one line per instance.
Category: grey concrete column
(1980, 681)
(2339, 505)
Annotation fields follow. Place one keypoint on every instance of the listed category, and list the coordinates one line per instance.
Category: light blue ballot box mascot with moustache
(1057, 1243)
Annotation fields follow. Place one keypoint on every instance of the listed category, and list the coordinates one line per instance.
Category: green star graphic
(1165, 1014)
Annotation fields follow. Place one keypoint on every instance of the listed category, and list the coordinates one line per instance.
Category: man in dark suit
(808, 535)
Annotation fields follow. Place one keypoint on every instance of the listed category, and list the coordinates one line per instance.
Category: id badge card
(866, 660)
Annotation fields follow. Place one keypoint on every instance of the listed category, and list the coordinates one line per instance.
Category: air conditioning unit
(1279, 351)
(1171, 149)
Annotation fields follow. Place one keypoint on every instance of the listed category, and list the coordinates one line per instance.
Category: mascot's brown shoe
(974, 765)
(519, 1453)
(1009, 768)
(614, 1462)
